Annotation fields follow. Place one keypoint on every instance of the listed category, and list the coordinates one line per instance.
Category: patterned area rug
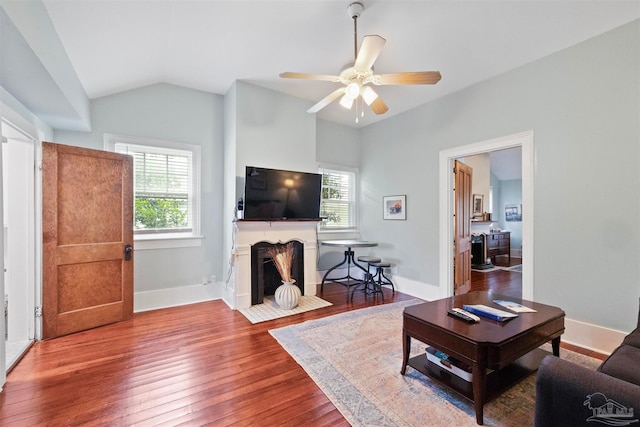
(270, 310)
(355, 358)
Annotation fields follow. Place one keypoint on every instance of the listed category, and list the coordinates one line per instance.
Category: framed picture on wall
(394, 207)
(478, 201)
(513, 212)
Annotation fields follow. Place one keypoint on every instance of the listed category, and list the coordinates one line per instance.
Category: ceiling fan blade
(410, 78)
(369, 51)
(327, 100)
(378, 106)
(323, 77)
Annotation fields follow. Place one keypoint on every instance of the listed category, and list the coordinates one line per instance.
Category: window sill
(165, 241)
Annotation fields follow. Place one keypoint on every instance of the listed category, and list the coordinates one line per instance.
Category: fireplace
(238, 293)
(264, 274)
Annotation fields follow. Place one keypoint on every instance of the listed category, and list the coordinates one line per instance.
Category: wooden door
(87, 226)
(462, 239)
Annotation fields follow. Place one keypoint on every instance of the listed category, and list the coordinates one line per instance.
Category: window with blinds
(338, 197)
(164, 200)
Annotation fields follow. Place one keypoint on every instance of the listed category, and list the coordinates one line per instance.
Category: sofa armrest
(568, 395)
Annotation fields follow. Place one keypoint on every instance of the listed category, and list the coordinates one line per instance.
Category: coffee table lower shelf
(497, 381)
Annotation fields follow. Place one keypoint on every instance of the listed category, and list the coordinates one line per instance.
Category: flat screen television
(273, 194)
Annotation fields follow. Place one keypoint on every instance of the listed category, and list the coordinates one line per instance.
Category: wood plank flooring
(191, 365)
(503, 282)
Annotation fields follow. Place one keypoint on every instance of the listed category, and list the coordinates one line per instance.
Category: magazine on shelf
(514, 306)
(490, 312)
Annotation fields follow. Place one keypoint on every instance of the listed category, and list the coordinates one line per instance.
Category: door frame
(446, 200)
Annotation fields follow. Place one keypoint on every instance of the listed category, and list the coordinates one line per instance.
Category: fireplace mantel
(247, 233)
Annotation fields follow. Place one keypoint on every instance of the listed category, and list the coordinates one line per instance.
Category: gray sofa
(571, 395)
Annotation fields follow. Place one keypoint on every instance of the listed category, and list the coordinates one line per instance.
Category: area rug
(355, 358)
(486, 270)
(270, 310)
(515, 268)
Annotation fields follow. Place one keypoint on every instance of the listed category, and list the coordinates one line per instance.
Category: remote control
(464, 315)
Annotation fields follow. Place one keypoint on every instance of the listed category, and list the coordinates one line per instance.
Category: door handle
(128, 250)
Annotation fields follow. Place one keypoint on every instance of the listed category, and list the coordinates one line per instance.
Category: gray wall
(171, 113)
(583, 106)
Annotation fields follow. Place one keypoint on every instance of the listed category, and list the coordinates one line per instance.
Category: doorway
(18, 178)
(446, 204)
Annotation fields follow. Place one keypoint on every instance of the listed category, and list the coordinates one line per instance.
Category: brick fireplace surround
(247, 233)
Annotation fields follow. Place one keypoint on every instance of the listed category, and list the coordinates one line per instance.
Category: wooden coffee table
(510, 349)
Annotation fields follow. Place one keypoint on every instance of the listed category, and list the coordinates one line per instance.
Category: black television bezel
(308, 176)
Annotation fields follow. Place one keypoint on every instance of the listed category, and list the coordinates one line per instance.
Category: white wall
(172, 113)
(586, 128)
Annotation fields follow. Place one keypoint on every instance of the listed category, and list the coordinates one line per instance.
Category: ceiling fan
(357, 75)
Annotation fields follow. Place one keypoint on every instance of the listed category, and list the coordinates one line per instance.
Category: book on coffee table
(514, 306)
(490, 312)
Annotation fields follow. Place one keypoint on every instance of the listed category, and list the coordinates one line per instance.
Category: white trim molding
(173, 297)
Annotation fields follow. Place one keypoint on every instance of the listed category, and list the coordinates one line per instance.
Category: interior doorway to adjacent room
(522, 141)
(496, 221)
(19, 199)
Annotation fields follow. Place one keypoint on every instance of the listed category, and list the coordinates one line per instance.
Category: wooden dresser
(499, 243)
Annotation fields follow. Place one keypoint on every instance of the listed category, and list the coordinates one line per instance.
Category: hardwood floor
(503, 282)
(190, 365)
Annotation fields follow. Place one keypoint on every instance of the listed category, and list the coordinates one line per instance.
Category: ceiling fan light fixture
(346, 101)
(353, 90)
(369, 95)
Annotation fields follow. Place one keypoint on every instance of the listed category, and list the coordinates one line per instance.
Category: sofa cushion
(633, 338)
(623, 364)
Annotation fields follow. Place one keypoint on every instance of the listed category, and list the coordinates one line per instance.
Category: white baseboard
(592, 337)
(163, 298)
(416, 289)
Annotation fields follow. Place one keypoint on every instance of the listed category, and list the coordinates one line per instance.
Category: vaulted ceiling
(207, 44)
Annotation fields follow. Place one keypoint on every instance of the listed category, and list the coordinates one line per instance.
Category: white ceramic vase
(288, 295)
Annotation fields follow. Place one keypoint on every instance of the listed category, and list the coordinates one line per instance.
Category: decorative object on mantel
(478, 202)
(288, 294)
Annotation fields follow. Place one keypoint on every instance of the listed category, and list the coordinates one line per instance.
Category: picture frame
(478, 202)
(394, 207)
(513, 212)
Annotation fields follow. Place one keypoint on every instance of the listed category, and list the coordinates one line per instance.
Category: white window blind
(166, 176)
(338, 198)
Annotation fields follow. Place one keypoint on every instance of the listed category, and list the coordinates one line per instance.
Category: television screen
(280, 194)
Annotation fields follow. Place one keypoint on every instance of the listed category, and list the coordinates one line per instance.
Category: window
(338, 199)
(166, 186)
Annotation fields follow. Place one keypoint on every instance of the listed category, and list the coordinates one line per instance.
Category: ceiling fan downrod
(354, 10)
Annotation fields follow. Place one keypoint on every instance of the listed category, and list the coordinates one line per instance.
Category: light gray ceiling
(207, 44)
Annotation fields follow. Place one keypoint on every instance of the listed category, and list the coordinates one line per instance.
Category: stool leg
(368, 278)
(387, 281)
